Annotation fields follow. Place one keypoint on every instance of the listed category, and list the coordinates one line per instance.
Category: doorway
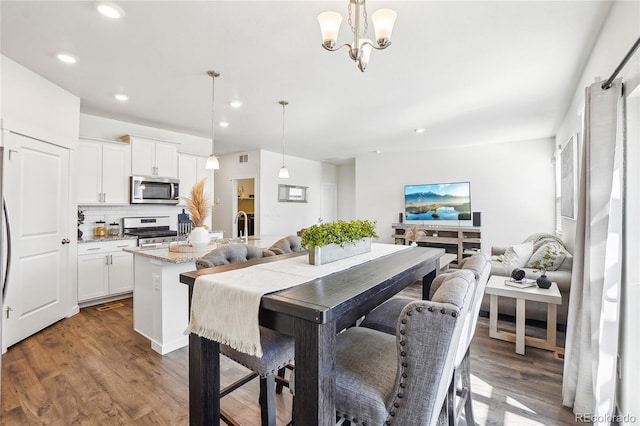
(245, 203)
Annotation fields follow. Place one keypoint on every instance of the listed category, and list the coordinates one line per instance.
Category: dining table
(313, 312)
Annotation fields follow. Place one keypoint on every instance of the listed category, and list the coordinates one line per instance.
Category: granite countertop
(163, 254)
(93, 239)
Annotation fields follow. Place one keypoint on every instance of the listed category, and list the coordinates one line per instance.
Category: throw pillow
(550, 247)
(518, 255)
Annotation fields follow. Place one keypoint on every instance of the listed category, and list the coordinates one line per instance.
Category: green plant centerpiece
(545, 263)
(331, 241)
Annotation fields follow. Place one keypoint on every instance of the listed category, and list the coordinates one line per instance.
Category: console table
(313, 313)
(463, 241)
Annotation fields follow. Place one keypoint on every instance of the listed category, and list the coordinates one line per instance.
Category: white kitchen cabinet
(103, 172)
(153, 158)
(104, 270)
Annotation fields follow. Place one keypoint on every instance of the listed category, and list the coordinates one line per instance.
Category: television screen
(438, 201)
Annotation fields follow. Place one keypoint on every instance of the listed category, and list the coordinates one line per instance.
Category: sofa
(523, 256)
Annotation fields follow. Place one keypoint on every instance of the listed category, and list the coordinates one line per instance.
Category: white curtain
(589, 380)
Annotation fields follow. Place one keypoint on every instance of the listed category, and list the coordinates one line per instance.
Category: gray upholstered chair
(278, 349)
(475, 269)
(288, 244)
(231, 253)
(403, 379)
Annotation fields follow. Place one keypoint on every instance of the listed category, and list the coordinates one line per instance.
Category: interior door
(36, 190)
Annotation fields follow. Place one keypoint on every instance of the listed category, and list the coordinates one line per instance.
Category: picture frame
(292, 193)
(569, 178)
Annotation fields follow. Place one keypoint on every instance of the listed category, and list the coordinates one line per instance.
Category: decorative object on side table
(331, 241)
(546, 262)
(199, 207)
(80, 222)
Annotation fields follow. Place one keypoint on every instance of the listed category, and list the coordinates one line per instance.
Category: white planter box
(332, 252)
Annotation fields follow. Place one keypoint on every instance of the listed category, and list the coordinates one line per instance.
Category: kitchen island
(160, 301)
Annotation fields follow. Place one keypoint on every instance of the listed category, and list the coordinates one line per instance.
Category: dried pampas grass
(199, 205)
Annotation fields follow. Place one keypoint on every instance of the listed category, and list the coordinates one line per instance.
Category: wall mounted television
(438, 201)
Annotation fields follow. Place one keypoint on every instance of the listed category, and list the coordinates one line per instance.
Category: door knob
(66, 241)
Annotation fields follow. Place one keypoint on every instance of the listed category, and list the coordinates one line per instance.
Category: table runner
(225, 306)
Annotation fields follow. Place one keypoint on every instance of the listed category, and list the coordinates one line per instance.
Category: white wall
(278, 218)
(36, 107)
(512, 185)
(347, 191)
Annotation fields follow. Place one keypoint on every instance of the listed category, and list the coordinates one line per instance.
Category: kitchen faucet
(245, 235)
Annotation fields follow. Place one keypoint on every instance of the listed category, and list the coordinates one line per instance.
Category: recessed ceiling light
(121, 97)
(420, 130)
(235, 104)
(67, 58)
(224, 124)
(110, 10)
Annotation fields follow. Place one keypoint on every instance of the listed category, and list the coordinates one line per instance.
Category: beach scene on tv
(440, 201)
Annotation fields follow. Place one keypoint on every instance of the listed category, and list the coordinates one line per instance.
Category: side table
(496, 287)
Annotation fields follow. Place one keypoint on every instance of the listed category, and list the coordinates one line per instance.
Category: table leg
(204, 381)
(552, 318)
(493, 317)
(520, 325)
(315, 373)
(427, 280)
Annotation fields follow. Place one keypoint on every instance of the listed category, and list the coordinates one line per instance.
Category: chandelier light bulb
(383, 21)
(329, 27)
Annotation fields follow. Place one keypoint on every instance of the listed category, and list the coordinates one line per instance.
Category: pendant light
(212, 161)
(284, 172)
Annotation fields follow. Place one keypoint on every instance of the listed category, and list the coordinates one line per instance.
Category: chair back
(289, 244)
(231, 253)
(428, 338)
(480, 265)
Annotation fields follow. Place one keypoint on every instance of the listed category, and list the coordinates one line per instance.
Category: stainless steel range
(150, 230)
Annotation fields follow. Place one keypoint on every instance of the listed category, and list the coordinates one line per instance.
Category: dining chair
(278, 349)
(289, 244)
(477, 268)
(403, 379)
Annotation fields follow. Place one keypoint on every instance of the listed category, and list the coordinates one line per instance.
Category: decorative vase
(199, 237)
(319, 255)
(543, 281)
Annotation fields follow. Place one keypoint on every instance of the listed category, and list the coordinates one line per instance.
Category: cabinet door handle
(95, 248)
(104, 197)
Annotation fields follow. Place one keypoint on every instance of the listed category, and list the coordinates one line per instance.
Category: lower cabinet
(104, 270)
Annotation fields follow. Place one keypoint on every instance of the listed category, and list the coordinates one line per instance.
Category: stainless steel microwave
(154, 190)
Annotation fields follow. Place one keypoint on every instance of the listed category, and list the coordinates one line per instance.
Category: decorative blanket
(225, 305)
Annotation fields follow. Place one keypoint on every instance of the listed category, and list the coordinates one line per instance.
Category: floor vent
(109, 306)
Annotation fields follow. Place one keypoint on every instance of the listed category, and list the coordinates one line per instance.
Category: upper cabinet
(191, 168)
(153, 158)
(103, 172)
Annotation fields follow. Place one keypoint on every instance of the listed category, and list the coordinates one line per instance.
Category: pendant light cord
(213, 75)
(283, 103)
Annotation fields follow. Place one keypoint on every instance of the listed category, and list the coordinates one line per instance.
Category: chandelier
(360, 49)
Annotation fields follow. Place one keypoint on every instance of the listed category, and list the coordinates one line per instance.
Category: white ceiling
(469, 72)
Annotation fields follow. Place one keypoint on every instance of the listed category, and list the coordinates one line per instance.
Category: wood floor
(93, 369)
